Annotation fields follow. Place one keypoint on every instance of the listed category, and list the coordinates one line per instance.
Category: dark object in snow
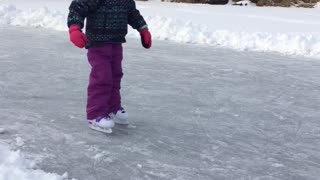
(241, 3)
(218, 2)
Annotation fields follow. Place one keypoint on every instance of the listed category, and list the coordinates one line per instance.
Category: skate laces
(98, 119)
(122, 110)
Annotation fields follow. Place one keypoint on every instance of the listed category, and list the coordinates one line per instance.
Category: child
(106, 27)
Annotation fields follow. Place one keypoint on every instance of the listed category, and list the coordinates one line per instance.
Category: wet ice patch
(277, 165)
(2, 131)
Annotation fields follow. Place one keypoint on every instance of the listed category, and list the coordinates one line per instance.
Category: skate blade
(104, 130)
(121, 122)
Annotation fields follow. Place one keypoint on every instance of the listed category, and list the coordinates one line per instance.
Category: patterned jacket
(107, 20)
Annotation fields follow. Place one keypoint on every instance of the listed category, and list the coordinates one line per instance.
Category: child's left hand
(146, 39)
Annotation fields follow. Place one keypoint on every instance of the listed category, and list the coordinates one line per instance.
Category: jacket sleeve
(79, 10)
(135, 20)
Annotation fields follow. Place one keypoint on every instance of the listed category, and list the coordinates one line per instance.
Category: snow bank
(13, 166)
(188, 32)
(43, 17)
(286, 32)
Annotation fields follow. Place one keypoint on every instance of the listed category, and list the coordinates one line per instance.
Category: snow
(35, 18)
(13, 166)
(242, 3)
(19, 141)
(290, 31)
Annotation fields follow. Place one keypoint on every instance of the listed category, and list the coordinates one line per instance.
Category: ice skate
(102, 124)
(121, 117)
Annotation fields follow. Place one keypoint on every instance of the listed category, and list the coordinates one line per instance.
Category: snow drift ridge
(164, 28)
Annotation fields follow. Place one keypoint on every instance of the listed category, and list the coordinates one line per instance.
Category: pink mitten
(77, 37)
(146, 39)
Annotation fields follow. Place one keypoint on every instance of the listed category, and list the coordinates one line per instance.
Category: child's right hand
(77, 37)
(146, 39)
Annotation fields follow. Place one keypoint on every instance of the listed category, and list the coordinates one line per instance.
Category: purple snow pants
(105, 78)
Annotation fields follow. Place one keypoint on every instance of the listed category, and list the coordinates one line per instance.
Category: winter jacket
(107, 20)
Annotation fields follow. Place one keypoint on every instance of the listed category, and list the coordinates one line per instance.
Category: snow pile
(13, 166)
(188, 32)
(286, 32)
(43, 17)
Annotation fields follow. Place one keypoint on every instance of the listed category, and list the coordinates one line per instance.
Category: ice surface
(2, 130)
(199, 112)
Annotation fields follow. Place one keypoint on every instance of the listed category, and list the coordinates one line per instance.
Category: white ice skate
(102, 124)
(121, 117)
